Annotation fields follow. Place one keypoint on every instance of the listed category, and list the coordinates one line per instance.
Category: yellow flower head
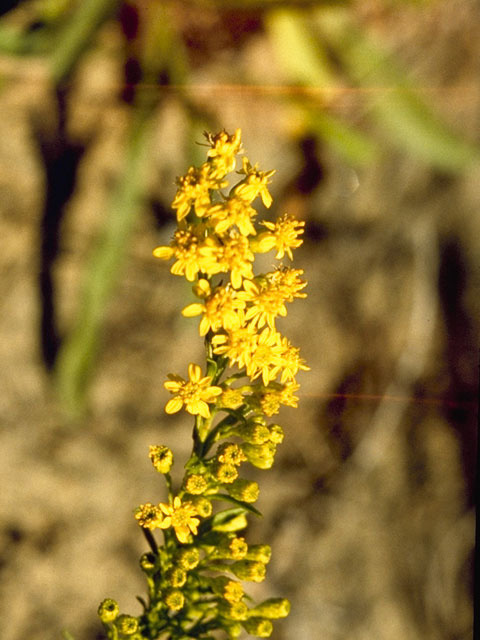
(194, 393)
(148, 516)
(161, 457)
(272, 399)
(282, 236)
(222, 309)
(237, 346)
(267, 359)
(223, 152)
(254, 184)
(180, 516)
(193, 252)
(194, 189)
(237, 258)
(230, 453)
(233, 212)
(265, 303)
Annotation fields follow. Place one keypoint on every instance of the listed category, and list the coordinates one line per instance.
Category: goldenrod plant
(195, 578)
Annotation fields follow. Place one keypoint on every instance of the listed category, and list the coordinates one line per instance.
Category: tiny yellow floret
(180, 516)
(194, 393)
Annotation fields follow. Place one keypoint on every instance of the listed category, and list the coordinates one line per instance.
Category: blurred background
(369, 111)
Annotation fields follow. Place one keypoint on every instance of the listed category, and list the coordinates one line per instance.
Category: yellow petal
(194, 309)
(194, 372)
(204, 326)
(172, 386)
(165, 523)
(164, 253)
(182, 534)
(202, 289)
(202, 409)
(173, 405)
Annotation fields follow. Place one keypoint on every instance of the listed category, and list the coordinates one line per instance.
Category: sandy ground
(369, 507)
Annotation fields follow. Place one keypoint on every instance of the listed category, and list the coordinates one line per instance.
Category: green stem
(76, 357)
(77, 35)
(151, 540)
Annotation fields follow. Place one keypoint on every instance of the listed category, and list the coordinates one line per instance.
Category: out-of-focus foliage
(318, 48)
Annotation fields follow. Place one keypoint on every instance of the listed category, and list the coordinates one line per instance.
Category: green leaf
(77, 354)
(395, 102)
(353, 146)
(299, 53)
(77, 35)
(223, 521)
(239, 503)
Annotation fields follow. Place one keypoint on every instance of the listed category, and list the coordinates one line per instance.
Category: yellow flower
(194, 189)
(180, 516)
(233, 591)
(161, 457)
(193, 253)
(237, 346)
(233, 212)
(237, 259)
(286, 281)
(291, 361)
(222, 309)
(194, 393)
(230, 453)
(254, 184)
(282, 236)
(271, 399)
(265, 303)
(267, 358)
(223, 152)
(231, 399)
(148, 516)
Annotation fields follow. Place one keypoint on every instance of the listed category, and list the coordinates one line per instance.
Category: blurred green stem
(77, 353)
(77, 35)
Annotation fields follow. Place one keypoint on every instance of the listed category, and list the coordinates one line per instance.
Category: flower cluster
(195, 578)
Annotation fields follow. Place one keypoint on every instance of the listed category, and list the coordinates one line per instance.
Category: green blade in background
(76, 356)
(396, 104)
(298, 51)
(304, 61)
(76, 35)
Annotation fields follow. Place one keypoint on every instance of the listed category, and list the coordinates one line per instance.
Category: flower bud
(276, 433)
(258, 627)
(245, 490)
(188, 558)
(234, 630)
(161, 457)
(202, 505)
(272, 608)
(233, 610)
(230, 453)
(231, 590)
(224, 473)
(108, 610)
(250, 570)
(176, 577)
(261, 455)
(148, 516)
(253, 433)
(233, 548)
(231, 399)
(174, 599)
(260, 553)
(127, 625)
(195, 484)
(148, 562)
